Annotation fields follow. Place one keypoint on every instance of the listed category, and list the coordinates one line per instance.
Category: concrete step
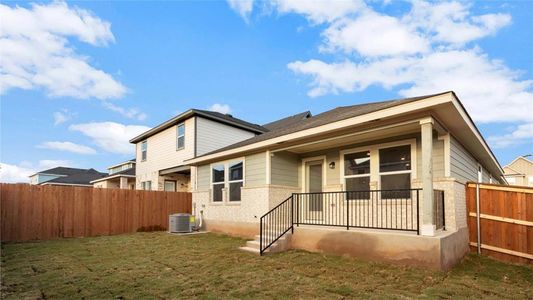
(253, 244)
(251, 250)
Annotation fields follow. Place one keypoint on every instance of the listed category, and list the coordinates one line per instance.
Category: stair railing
(275, 223)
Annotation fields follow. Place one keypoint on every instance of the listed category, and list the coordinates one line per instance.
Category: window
(395, 171)
(357, 174)
(235, 180)
(169, 186)
(229, 175)
(146, 185)
(144, 149)
(180, 139)
(218, 182)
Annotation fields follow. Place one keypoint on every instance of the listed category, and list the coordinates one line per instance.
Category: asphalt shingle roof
(334, 115)
(287, 121)
(80, 176)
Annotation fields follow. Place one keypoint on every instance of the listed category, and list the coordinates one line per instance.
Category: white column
(123, 183)
(427, 226)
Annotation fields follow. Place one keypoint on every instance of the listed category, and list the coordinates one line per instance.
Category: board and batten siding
(284, 169)
(213, 135)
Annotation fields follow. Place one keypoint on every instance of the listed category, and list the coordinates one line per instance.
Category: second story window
(180, 140)
(144, 150)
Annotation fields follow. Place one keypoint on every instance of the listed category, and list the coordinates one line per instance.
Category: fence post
(478, 224)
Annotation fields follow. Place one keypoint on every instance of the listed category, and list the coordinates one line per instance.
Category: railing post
(292, 213)
(443, 212)
(298, 210)
(347, 212)
(261, 236)
(417, 213)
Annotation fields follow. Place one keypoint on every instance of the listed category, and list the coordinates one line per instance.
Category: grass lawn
(160, 265)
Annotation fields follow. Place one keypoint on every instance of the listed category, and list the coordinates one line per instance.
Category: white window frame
(226, 163)
(145, 183)
(234, 181)
(410, 171)
(375, 174)
(178, 136)
(223, 182)
(145, 144)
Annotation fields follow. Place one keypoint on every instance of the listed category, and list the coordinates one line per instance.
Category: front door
(314, 185)
(170, 186)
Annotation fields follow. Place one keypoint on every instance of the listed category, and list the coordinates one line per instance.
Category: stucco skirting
(240, 229)
(440, 252)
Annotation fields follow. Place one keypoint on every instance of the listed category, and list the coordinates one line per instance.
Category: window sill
(221, 203)
(178, 149)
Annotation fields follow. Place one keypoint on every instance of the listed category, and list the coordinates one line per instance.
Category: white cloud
(131, 113)
(62, 116)
(319, 11)
(110, 136)
(19, 173)
(242, 7)
(68, 147)
(36, 52)
(522, 134)
(221, 108)
(373, 34)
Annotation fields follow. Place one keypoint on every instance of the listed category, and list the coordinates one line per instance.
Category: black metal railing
(275, 223)
(377, 209)
(438, 203)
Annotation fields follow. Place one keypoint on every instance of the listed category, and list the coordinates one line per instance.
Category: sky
(79, 79)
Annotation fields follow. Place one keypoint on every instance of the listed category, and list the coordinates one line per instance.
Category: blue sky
(79, 79)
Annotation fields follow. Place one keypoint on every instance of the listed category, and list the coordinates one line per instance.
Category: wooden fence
(506, 221)
(30, 212)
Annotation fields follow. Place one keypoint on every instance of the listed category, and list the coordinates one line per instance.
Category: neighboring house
(162, 150)
(66, 176)
(120, 176)
(399, 164)
(519, 172)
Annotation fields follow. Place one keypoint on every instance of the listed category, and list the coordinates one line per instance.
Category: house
(519, 171)
(120, 176)
(66, 176)
(162, 150)
(383, 180)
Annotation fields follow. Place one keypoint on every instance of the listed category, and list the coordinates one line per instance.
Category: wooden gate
(506, 221)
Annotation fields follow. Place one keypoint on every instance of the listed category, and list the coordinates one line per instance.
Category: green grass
(160, 265)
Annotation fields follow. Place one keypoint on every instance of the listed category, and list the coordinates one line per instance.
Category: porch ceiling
(355, 137)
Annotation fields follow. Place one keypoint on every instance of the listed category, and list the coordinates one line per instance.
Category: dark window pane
(395, 159)
(356, 188)
(217, 192)
(181, 142)
(235, 171)
(235, 191)
(218, 173)
(396, 182)
(357, 163)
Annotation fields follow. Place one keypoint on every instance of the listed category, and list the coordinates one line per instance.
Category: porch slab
(440, 252)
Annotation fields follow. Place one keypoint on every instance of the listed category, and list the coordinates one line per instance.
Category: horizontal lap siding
(213, 135)
(284, 168)
(255, 169)
(203, 177)
(463, 165)
(30, 212)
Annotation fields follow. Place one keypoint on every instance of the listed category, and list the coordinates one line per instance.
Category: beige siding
(203, 180)
(284, 169)
(522, 166)
(162, 154)
(464, 167)
(213, 135)
(255, 169)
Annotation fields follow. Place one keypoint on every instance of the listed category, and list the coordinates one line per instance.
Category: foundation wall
(440, 252)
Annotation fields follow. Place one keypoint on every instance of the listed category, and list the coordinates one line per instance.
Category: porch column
(427, 223)
(123, 183)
